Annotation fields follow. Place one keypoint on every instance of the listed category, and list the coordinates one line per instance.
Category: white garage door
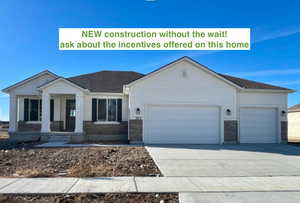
(258, 125)
(182, 124)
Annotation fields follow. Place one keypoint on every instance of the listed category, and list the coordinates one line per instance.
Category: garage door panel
(182, 124)
(258, 125)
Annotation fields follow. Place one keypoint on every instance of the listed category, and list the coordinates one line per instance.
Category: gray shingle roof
(250, 84)
(113, 81)
(105, 81)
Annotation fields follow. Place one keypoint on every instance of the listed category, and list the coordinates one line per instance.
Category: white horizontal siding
(31, 87)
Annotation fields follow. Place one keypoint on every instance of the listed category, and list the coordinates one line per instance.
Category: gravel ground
(103, 198)
(24, 161)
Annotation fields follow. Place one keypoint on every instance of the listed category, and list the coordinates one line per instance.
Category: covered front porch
(57, 107)
(60, 108)
(47, 113)
(66, 113)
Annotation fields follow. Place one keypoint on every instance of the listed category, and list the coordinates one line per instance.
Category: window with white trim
(35, 110)
(109, 110)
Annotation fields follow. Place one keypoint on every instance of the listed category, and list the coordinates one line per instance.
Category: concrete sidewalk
(147, 184)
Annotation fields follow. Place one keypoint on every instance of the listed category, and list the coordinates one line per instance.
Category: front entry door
(70, 114)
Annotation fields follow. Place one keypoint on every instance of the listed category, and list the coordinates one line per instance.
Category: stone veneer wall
(57, 126)
(284, 131)
(29, 127)
(136, 131)
(36, 127)
(230, 131)
(89, 127)
(105, 132)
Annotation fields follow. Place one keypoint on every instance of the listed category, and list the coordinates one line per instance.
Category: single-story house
(182, 102)
(294, 123)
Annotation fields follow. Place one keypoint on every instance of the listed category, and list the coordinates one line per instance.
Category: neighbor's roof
(105, 81)
(295, 107)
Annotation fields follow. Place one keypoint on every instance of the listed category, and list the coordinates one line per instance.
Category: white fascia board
(267, 90)
(125, 90)
(213, 73)
(105, 94)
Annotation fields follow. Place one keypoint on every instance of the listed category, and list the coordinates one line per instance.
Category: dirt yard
(91, 198)
(26, 161)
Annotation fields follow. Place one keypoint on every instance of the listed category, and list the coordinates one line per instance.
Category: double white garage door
(182, 124)
(195, 124)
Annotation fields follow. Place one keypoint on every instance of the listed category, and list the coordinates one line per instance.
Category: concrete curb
(67, 145)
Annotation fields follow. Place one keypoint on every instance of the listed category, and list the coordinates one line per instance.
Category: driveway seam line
(8, 184)
(75, 182)
(188, 178)
(135, 184)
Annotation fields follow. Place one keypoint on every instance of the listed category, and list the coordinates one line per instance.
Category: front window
(107, 109)
(35, 110)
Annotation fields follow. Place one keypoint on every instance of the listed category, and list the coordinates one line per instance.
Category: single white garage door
(182, 124)
(258, 125)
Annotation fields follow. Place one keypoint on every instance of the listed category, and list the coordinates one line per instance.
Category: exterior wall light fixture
(138, 111)
(228, 112)
(283, 113)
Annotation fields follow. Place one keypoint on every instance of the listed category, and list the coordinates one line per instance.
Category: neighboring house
(182, 102)
(294, 123)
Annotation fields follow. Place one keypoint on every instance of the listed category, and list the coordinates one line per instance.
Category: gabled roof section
(6, 90)
(114, 81)
(64, 80)
(188, 59)
(295, 108)
(239, 83)
(105, 81)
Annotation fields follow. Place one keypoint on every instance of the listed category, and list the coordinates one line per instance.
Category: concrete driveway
(227, 160)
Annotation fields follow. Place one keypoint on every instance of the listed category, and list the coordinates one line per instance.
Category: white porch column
(45, 113)
(79, 114)
(13, 109)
